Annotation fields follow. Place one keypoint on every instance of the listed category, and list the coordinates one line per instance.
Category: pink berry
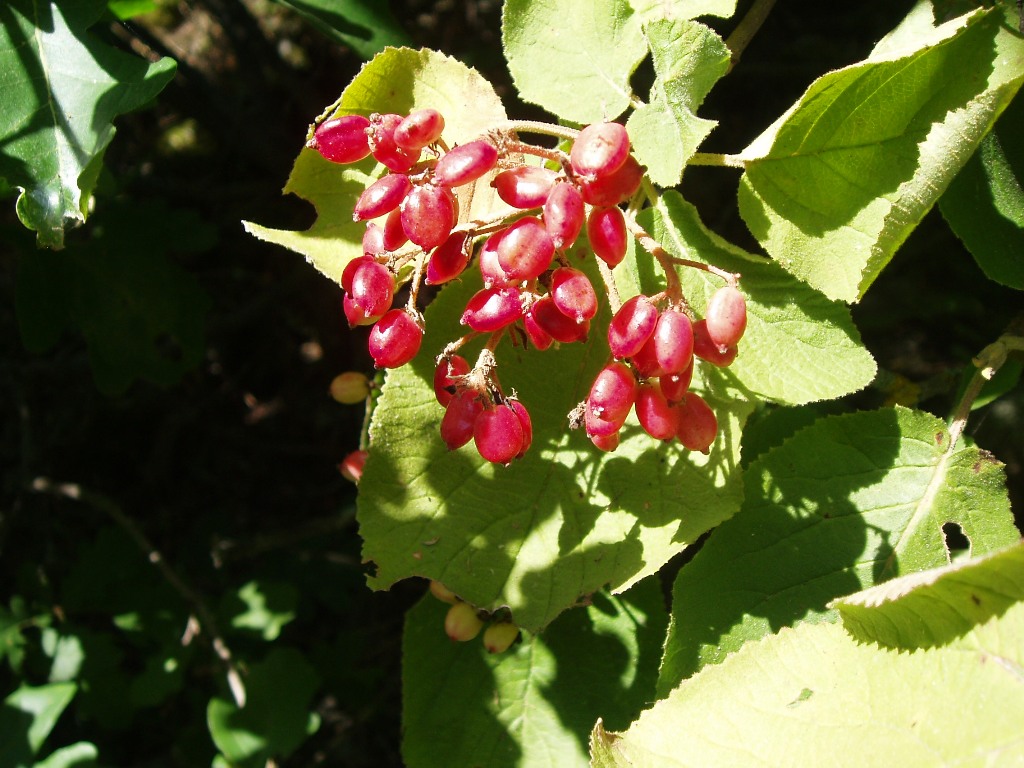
(465, 163)
(394, 339)
(498, 434)
(606, 230)
(673, 342)
(698, 425)
(616, 188)
(611, 397)
(381, 134)
(555, 323)
(342, 139)
(381, 197)
(525, 249)
(564, 214)
(656, 415)
(632, 326)
(491, 309)
(707, 350)
(599, 150)
(428, 215)
(448, 260)
(394, 236)
(351, 467)
(371, 291)
(526, 186)
(447, 376)
(373, 240)
(490, 268)
(726, 316)
(606, 443)
(420, 128)
(540, 338)
(675, 386)
(525, 422)
(459, 417)
(573, 294)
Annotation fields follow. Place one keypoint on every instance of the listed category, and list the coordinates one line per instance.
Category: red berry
(446, 377)
(498, 434)
(381, 197)
(420, 128)
(573, 294)
(465, 163)
(394, 339)
(351, 467)
(371, 291)
(490, 268)
(373, 240)
(428, 215)
(526, 186)
(459, 417)
(342, 139)
(698, 425)
(381, 135)
(606, 230)
(556, 324)
(350, 269)
(655, 414)
(448, 260)
(525, 249)
(491, 309)
(525, 422)
(632, 326)
(563, 214)
(673, 342)
(599, 150)
(675, 386)
(540, 338)
(726, 316)
(606, 443)
(394, 236)
(615, 188)
(611, 396)
(707, 350)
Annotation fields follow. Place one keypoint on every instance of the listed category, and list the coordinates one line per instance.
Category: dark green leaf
(365, 26)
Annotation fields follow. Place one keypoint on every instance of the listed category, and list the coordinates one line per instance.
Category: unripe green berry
(462, 623)
(442, 593)
(499, 636)
(350, 388)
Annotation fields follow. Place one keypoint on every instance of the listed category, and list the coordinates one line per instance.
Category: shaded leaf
(62, 88)
(79, 755)
(27, 717)
(848, 502)
(593, 45)
(834, 187)
(535, 704)
(365, 26)
(263, 606)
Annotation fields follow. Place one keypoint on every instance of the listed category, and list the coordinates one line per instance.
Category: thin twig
(205, 616)
(747, 28)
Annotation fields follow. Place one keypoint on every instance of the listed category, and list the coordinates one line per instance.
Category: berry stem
(555, 155)
(614, 302)
(417, 278)
(732, 278)
(454, 346)
(672, 288)
(535, 126)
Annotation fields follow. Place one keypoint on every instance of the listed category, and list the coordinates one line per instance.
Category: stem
(417, 277)
(672, 287)
(532, 149)
(747, 28)
(609, 285)
(732, 278)
(535, 126)
(452, 347)
(205, 617)
(720, 161)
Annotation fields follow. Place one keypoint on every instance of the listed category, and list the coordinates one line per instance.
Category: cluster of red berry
(529, 287)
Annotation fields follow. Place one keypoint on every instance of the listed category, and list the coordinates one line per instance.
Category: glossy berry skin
(599, 150)
(381, 134)
(498, 637)
(371, 289)
(606, 230)
(498, 434)
(394, 236)
(675, 386)
(448, 260)
(707, 350)
(447, 376)
(525, 422)
(465, 163)
(573, 294)
(615, 188)
(420, 128)
(490, 268)
(726, 316)
(394, 339)
(428, 215)
(632, 326)
(564, 214)
(538, 337)
(459, 417)
(342, 139)
(673, 342)
(526, 186)
(656, 415)
(606, 443)
(525, 249)
(698, 425)
(373, 240)
(555, 323)
(611, 397)
(461, 622)
(381, 197)
(491, 309)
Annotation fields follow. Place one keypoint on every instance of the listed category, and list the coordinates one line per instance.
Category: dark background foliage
(230, 469)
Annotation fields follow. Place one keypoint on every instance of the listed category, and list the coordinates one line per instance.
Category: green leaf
(142, 315)
(397, 80)
(799, 346)
(835, 186)
(985, 203)
(534, 704)
(688, 59)
(936, 606)
(559, 523)
(815, 696)
(27, 717)
(365, 26)
(275, 719)
(62, 88)
(649, 10)
(848, 502)
(263, 606)
(79, 755)
(592, 45)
